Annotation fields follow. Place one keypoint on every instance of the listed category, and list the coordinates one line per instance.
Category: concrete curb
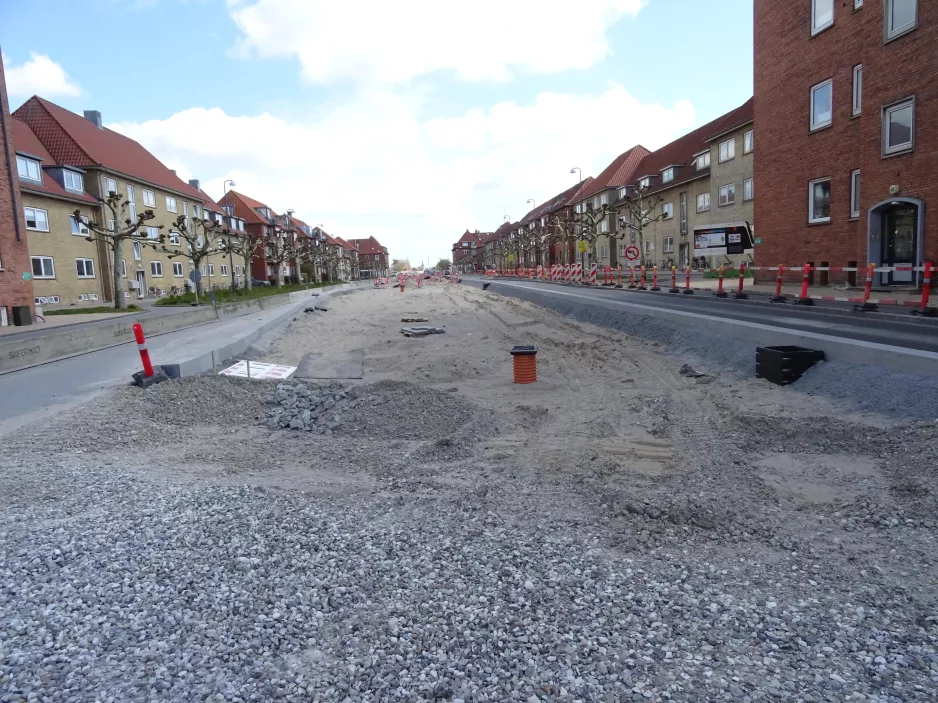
(202, 363)
(75, 340)
(835, 348)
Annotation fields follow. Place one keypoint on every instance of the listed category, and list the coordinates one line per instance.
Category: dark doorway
(899, 241)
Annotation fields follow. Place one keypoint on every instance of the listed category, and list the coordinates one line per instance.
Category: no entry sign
(631, 253)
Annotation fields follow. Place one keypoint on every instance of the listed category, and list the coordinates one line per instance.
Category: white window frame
(604, 199)
(131, 203)
(649, 247)
(815, 27)
(174, 238)
(25, 162)
(153, 233)
(138, 251)
(224, 269)
(682, 211)
(604, 225)
(730, 154)
(85, 263)
(178, 270)
(35, 218)
(724, 198)
(855, 185)
(123, 268)
(211, 270)
(895, 33)
(74, 176)
(111, 225)
(857, 89)
(623, 192)
(82, 226)
(811, 217)
(749, 191)
(171, 204)
(667, 175)
(644, 182)
(814, 89)
(154, 267)
(857, 4)
(149, 198)
(748, 142)
(706, 196)
(110, 186)
(667, 210)
(907, 146)
(703, 161)
(42, 276)
(667, 245)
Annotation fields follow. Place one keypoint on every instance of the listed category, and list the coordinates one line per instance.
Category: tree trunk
(248, 284)
(116, 274)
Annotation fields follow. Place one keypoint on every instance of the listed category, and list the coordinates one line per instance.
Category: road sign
(511, 258)
(582, 246)
(631, 253)
(27, 276)
(195, 275)
(758, 240)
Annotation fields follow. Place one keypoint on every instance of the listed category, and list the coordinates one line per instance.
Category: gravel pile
(299, 407)
(122, 591)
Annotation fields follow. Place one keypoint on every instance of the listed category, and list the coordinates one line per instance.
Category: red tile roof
(618, 173)
(26, 141)
(245, 207)
(742, 115)
(74, 141)
(368, 246)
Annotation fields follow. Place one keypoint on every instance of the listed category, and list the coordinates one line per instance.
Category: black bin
(22, 315)
(785, 365)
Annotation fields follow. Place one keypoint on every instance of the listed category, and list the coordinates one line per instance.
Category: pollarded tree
(244, 244)
(202, 239)
(118, 228)
(590, 227)
(561, 231)
(639, 214)
(280, 247)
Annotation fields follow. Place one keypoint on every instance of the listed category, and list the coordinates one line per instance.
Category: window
(623, 192)
(855, 193)
(644, 183)
(748, 192)
(85, 268)
(224, 269)
(153, 232)
(901, 17)
(822, 104)
(123, 268)
(703, 202)
(195, 210)
(857, 4)
(603, 252)
(857, 88)
(703, 161)
(819, 200)
(110, 186)
(727, 194)
(822, 15)
(171, 204)
(604, 225)
(211, 269)
(131, 203)
(668, 245)
(156, 269)
(683, 212)
(149, 198)
(667, 209)
(110, 225)
(79, 227)
(727, 150)
(177, 269)
(649, 247)
(200, 241)
(899, 127)
(622, 248)
(74, 181)
(747, 142)
(43, 267)
(667, 175)
(36, 219)
(138, 251)
(202, 269)
(28, 169)
(604, 199)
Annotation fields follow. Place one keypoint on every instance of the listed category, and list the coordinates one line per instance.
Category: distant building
(372, 258)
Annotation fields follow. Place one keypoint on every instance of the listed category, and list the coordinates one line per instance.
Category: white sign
(259, 370)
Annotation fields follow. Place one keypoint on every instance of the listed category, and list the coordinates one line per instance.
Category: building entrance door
(900, 230)
(141, 285)
(683, 256)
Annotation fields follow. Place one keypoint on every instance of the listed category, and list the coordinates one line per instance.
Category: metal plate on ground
(259, 371)
(336, 365)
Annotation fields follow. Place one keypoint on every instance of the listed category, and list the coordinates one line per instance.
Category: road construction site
(646, 521)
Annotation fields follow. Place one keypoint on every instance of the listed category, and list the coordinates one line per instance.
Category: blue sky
(411, 125)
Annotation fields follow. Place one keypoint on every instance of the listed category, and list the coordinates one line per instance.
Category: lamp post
(579, 171)
(230, 255)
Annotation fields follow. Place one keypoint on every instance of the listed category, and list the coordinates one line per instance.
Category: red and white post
(779, 276)
(740, 295)
(720, 292)
(926, 292)
(687, 289)
(142, 346)
(805, 298)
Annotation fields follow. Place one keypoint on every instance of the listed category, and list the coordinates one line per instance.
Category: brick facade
(14, 255)
(788, 62)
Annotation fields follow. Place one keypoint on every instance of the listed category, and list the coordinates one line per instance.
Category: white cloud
(39, 76)
(376, 165)
(381, 42)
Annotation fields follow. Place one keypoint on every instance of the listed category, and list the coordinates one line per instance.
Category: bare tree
(280, 247)
(640, 213)
(245, 245)
(202, 239)
(117, 229)
(560, 231)
(589, 227)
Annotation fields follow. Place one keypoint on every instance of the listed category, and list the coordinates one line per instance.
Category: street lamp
(230, 255)
(577, 169)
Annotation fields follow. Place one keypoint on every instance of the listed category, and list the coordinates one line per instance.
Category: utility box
(22, 315)
(786, 364)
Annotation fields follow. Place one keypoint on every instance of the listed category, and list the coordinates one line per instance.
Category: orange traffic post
(740, 295)
(654, 280)
(720, 292)
(674, 288)
(866, 305)
(524, 363)
(619, 276)
(778, 297)
(641, 283)
(926, 292)
(804, 298)
(142, 347)
(687, 289)
(632, 277)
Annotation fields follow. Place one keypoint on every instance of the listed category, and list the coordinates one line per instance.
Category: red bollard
(632, 277)
(619, 276)
(739, 295)
(926, 292)
(142, 346)
(720, 292)
(779, 298)
(687, 289)
(674, 288)
(654, 280)
(805, 299)
(642, 282)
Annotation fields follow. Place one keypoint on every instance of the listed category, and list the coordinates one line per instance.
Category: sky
(409, 120)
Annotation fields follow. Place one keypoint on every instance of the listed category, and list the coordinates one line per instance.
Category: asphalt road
(897, 328)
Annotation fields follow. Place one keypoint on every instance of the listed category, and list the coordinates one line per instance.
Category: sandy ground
(781, 490)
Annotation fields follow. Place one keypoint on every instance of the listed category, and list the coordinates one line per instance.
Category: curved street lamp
(230, 255)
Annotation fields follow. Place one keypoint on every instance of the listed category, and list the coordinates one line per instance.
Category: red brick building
(846, 94)
(372, 258)
(15, 290)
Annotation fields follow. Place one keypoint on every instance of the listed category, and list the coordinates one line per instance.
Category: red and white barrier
(593, 268)
(142, 347)
(578, 273)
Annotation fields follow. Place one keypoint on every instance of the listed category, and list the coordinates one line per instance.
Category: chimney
(94, 117)
(173, 171)
(194, 183)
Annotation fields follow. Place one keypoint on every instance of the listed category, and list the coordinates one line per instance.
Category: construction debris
(414, 319)
(421, 331)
